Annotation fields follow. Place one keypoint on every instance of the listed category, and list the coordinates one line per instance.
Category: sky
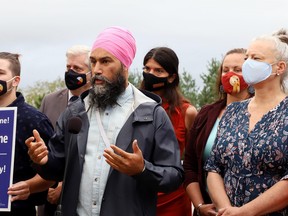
(197, 30)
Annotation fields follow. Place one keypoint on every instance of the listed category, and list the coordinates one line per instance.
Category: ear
(281, 67)
(172, 78)
(16, 81)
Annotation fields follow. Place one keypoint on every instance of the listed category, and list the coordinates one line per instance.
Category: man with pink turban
(114, 147)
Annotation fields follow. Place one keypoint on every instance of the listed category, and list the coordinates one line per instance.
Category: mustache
(99, 77)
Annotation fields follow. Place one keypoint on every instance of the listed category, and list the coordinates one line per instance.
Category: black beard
(106, 95)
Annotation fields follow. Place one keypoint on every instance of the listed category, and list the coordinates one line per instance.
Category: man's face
(6, 75)
(77, 63)
(5, 72)
(109, 79)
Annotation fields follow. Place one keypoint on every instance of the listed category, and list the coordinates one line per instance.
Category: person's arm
(190, 116)
(22, 190)
(272, 200)
(194, 193)
(217, 190)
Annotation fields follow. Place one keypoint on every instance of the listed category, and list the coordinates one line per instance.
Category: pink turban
(119, 42)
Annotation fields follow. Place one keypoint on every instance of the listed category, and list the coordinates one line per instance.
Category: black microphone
(74, 125)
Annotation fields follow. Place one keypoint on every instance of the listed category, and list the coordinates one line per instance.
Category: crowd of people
(104, 147)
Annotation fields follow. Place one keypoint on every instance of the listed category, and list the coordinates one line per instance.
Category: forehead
(234, 59)
(100, 53)
(4, 65)
(261, 47)
(79, 59)
(152, 63)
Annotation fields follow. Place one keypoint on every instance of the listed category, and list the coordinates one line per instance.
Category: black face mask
(74, 80)
(154, 83)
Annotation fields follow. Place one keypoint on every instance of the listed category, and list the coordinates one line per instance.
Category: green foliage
(135, 78)
(34, 94)
(188, 87)
(208, 93)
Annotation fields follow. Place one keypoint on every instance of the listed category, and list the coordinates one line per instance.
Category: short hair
(77, 50)
(13, 59)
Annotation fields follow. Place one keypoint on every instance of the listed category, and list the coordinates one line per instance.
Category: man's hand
(54, 194)
(37, 149)
(19, 191)
(124, 162)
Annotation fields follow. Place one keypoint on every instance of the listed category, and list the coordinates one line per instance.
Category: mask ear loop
(10, 89)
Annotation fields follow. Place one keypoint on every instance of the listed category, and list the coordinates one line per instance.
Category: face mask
(256, 71)
(233, 83)
(154, 83)
(3, 86)
(75, 80)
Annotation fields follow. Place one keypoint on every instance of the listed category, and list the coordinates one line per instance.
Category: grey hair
(280, 40)
(80, 50)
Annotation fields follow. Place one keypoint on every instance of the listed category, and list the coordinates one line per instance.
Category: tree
(188, 88)
(135, 78)
(34, 94)
(208, 93)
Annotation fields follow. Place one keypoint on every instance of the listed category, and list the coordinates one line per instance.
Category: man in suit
(77, 80)
(125, 150)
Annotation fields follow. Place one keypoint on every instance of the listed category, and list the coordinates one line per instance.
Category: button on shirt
(96, 169)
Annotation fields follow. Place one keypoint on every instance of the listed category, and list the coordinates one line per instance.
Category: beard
(107, 94)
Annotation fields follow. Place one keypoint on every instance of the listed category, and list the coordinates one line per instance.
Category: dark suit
(54, 104)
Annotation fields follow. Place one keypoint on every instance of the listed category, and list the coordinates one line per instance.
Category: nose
(96, 69)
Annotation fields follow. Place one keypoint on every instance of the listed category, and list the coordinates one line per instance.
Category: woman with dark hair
(231, 87)
(161, 77)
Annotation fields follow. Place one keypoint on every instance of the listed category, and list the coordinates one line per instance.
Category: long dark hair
(168, 59)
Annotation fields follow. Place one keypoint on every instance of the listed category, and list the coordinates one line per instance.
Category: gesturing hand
(37, 149)
(124, 162)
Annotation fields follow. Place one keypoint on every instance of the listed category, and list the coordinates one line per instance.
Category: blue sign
(8, 118)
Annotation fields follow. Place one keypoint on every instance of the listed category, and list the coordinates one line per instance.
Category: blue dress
(251, 162)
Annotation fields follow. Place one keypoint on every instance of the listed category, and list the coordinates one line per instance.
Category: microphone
(74, 125)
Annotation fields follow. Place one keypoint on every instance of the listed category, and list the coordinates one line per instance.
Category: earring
(251, 90)
(221, 89)
(277, 74)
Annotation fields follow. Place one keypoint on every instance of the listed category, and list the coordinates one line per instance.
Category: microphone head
(74, 125)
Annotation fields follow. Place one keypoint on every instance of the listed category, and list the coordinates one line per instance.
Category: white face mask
(255, 71)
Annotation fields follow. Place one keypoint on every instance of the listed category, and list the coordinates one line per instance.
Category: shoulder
(238, 105)
(191, 111)
(56, 94)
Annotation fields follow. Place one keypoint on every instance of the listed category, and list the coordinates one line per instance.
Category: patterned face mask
(233, 83)
(74, 80)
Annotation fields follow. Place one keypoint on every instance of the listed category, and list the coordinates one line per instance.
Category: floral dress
(251, 162)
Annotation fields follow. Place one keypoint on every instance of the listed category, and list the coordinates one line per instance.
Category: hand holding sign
(37, 149)
(19, 191)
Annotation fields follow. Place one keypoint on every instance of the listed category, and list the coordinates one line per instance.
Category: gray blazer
(124, 195)
(54, 104)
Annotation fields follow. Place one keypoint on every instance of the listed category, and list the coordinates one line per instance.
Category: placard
(8, 119)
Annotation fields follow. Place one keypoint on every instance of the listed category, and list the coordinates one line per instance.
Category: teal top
(210, 140)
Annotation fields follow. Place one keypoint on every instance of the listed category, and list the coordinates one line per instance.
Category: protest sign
(8, 119)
